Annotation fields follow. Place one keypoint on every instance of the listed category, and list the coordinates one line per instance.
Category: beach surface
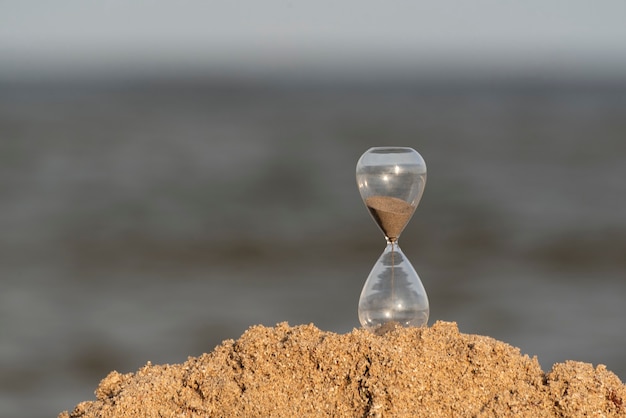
(304, 371)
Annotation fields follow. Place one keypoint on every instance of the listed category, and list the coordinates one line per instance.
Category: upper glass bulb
(391, 181)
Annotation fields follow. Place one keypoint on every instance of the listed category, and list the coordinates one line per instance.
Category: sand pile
(304, 372)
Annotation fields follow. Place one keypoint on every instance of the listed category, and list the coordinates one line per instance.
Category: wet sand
(303, 371)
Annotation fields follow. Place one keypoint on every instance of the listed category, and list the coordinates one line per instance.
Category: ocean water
(150, 221)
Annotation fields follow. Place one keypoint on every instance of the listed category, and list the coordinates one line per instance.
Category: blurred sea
(149, 221)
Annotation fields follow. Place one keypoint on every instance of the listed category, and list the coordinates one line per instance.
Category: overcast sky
(271, 35)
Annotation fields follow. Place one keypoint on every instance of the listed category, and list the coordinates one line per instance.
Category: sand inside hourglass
(391, 213)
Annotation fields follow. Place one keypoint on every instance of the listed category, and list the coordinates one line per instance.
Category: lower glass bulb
(393, 293)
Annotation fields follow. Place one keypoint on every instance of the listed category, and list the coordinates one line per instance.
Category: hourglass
(391, 181)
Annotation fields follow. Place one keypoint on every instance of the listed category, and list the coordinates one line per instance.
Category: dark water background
(150, 221)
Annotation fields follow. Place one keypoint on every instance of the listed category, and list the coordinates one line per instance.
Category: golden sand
(302, 371)
(391, 214)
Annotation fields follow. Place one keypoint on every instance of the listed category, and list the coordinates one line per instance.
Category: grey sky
(107, 35)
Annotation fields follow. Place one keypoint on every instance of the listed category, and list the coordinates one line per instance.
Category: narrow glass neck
(392, 247)
(393, 242)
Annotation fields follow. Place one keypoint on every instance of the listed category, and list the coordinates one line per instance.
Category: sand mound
(304, 372)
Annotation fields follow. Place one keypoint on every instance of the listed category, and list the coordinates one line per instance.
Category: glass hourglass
(391, 181)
